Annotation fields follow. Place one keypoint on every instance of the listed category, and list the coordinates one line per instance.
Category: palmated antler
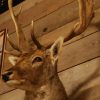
(22, 42)
(37, 43)
(86, 14)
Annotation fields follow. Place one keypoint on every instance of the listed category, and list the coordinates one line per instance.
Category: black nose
(5, 77)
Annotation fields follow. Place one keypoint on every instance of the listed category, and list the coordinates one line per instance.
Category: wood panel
(26, 4)
(70, 61)
(90, 44)
(65, 31)
(58, 18)
(32, 10)
(79, 52)
(81, 78)
(4, 88)
(78, 81)
(62, 31)
(63, 13)
(92, 39)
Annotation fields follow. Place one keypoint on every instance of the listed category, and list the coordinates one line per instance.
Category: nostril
(5, 78)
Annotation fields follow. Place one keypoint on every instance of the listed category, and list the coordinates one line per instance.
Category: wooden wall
(79, 62)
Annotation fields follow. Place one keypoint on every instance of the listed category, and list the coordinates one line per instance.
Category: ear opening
(13, 59)
(56, 48)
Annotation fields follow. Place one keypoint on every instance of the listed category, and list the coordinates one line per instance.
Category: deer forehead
(25, 59)
(31, 54)
(38, 53)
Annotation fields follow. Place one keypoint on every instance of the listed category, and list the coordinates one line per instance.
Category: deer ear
(56, 48)
(13, 59)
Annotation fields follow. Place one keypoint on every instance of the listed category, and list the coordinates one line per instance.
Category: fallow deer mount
(35, 71)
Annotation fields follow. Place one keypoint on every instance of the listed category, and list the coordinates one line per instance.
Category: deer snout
(6, 76)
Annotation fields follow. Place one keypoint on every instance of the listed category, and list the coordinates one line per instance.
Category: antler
(3, 47)
(37, 43)
(86, 14)
(3, 51)
(22, 42)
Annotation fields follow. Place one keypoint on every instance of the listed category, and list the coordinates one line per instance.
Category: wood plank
(65, 28)
(78, 45)
(4, 88)
(65, 31)
(89, 94)
(58, 18)
(12, 95)
(73, 51)
(62, 31)
(32, 10)
(27, 4)
(80, 51)
(80, 80)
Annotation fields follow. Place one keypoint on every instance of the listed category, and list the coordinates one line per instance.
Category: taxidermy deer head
(35, 70)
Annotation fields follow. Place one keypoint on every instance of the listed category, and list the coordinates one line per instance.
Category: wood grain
(62, 31)
(58, 18)
(80, 51)
(32, 10)
(81, 82)
(87, 39)
(81, 79)
(51, 14)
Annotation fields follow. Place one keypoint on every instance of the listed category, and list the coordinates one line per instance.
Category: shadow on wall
(90, 93)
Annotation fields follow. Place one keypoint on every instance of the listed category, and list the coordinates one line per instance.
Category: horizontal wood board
(78, 52)
(64, 13)
(87, 36)
(62, 31)
(39, 9)
(86, 89)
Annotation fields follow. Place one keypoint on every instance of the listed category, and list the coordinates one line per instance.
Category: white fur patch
(58, 45)
(16, 82)
(13, 60)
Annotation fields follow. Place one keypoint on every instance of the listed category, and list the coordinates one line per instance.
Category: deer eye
(37, 59)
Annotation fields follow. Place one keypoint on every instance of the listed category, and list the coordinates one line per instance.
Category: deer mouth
(15, 82)
(8, 80)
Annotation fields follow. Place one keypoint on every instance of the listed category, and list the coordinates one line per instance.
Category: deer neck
(52, 90)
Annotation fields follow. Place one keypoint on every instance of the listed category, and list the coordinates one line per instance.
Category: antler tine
(37, 43)
(9, 53)
(22, 43)
(86, 14)
(12, 44)
(2, 52)
(1, 32)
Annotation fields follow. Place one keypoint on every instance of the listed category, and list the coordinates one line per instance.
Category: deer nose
(5, 77)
